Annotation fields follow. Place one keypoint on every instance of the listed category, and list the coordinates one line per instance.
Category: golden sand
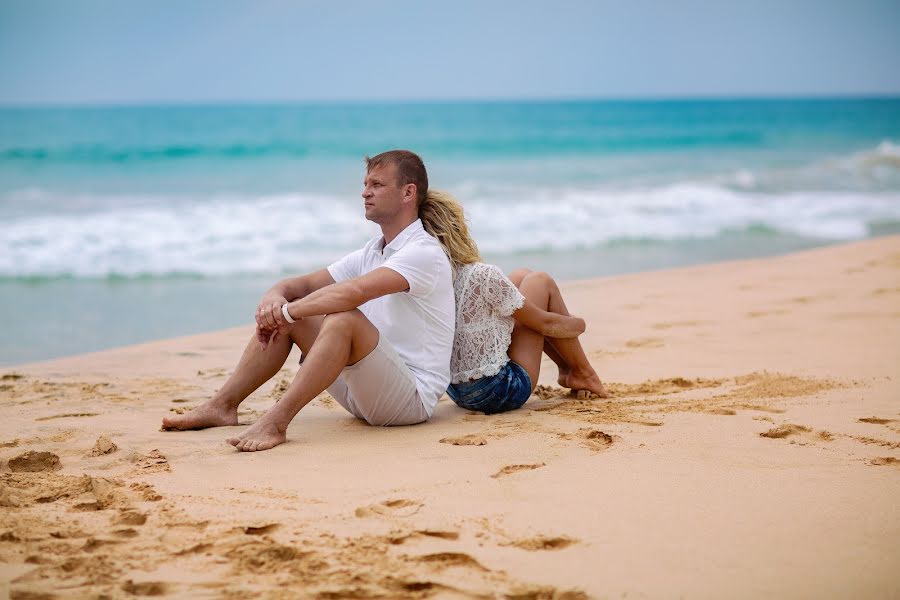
(749, 449)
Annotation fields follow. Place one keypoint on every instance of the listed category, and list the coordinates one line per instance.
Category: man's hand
(268, 313)
(266, 336)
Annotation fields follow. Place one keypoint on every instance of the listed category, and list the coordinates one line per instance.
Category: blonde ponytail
(442, 216)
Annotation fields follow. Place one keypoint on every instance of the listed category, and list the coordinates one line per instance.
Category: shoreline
(159, 309)
(627, 278)
(752, 447)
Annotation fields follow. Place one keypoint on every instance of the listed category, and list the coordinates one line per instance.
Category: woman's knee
(539, 278)
(517, 275)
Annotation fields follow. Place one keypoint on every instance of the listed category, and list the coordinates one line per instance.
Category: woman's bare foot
(587, 382)
(208, 414)
(262, 435)
(563, 377)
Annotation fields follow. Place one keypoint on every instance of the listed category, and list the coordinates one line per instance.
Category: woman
(503, 324)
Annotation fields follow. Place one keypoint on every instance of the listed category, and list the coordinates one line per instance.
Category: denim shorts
(509, 389)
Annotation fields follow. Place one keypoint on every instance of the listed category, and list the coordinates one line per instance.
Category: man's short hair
(410, 169)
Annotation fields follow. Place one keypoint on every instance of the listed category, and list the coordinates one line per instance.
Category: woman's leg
(516, 277)
(527, 345)
(575, 370)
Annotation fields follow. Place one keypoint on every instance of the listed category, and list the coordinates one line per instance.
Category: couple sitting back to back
(389, 328)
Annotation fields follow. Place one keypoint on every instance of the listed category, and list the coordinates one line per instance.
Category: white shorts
(380, 389)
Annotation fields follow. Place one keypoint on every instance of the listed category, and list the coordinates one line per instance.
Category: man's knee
(343, 321)
(353, 328)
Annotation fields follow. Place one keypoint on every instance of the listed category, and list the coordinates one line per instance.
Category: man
(375, 328)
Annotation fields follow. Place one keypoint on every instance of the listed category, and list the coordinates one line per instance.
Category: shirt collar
(402, 237)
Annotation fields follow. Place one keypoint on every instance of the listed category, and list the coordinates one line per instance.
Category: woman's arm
(550, 324)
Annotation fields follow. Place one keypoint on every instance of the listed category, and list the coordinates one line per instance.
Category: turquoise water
(119, 225)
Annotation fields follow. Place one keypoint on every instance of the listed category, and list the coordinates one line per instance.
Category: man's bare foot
(589, 383)
(262, 435)
(208, 414)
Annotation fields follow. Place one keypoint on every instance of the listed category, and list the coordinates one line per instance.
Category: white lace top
(485, 301)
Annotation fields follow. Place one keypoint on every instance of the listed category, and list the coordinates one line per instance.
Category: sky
(211, 51)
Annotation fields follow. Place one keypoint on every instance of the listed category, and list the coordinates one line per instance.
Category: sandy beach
(751, 448)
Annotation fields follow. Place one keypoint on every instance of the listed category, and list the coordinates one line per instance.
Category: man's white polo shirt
(419, 323)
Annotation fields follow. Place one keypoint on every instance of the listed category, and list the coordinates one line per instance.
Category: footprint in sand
(34, 462)
(541, 542)
(146, 491)
(465, 440)
(130, 517)
(390, 508)
(265, 556)
(790, 430)
(67, 415)
(153, 462)
(883, 461)
(145, 588)
(325, 400)
(445, 560)
(127, 533)
(510, 469)
(281, 387)
(402, 538)
(594, 439)
(105, 493)
(212, 373)
(85, 493)
(547, 392)
(875, 441)
(671, 385)
(760, 408)
(647, 342)
(260, 529)
(875, 420)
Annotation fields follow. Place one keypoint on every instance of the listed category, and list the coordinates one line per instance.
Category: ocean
(125, 224)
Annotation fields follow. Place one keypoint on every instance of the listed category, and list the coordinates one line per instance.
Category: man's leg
(344, 339)
(255, 368)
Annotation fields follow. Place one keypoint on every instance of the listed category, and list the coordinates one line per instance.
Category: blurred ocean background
(121, 225)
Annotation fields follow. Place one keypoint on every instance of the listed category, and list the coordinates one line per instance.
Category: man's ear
(409, 193)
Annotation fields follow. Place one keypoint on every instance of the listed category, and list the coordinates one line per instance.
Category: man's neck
(392, 230)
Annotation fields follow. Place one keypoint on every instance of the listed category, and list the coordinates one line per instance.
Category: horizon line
(436, 100)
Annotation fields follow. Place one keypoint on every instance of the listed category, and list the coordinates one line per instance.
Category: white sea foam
(163, 236)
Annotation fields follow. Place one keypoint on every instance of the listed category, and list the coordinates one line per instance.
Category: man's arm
(286, 290)
(298, 287)
(347, 295)
(550, 324)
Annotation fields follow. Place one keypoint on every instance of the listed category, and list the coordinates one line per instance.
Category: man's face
(382, 194)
